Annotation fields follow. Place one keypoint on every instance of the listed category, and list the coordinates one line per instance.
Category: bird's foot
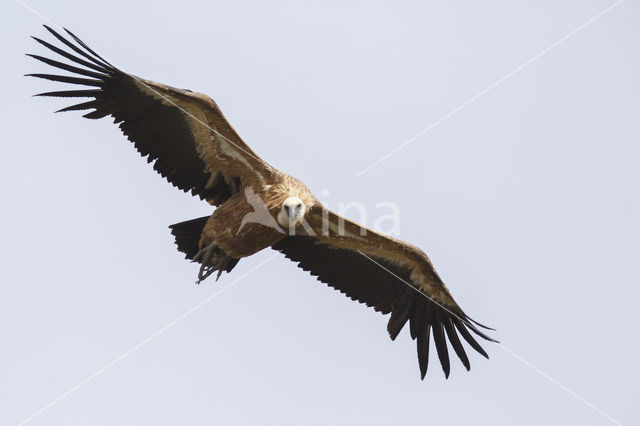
(212, 259)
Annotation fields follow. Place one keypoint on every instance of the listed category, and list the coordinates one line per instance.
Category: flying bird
(191, 144)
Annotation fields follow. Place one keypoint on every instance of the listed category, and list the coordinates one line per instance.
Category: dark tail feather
(188, 235)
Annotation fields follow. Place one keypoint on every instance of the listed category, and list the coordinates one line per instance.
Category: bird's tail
(187, 235)
(210, 257)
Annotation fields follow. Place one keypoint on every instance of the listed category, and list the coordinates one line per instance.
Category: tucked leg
(213, 259)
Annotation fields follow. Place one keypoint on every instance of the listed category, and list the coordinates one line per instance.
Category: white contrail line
(490, 87)
(557, 383)
(29, 8)
(506, 349)
(139, 345)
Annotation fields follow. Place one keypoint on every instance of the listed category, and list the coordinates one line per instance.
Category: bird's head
(292, 212)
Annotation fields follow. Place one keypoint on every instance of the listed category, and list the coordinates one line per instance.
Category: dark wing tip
(423, 350)
(51, 30)
(441, 348)
(456, 344)
(480, 324)
(460, 326)
(473, 328)
(430, 320)
(83, 44)
(81, 48)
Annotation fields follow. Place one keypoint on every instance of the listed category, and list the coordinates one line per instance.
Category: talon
(211, 259)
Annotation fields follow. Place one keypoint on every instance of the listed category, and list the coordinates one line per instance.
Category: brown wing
(389, 275)
(185, 133)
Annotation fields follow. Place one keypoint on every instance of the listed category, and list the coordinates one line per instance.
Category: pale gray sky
(526, 200)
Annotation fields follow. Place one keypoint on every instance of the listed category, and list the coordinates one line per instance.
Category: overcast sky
(526, 200)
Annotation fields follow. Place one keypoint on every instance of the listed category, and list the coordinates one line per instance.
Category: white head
(292, 212)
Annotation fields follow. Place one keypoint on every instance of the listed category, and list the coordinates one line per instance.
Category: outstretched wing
(194, 147)
(389, 275)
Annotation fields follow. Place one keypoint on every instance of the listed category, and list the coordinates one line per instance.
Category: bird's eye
(299, 205)
(286, 208)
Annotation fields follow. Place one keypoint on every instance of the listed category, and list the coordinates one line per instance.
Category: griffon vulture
(191, 144)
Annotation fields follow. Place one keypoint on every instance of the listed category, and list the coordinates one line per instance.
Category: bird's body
(195, 148)
(248, 222)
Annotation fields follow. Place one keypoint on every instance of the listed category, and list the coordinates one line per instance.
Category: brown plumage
(192, 145)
